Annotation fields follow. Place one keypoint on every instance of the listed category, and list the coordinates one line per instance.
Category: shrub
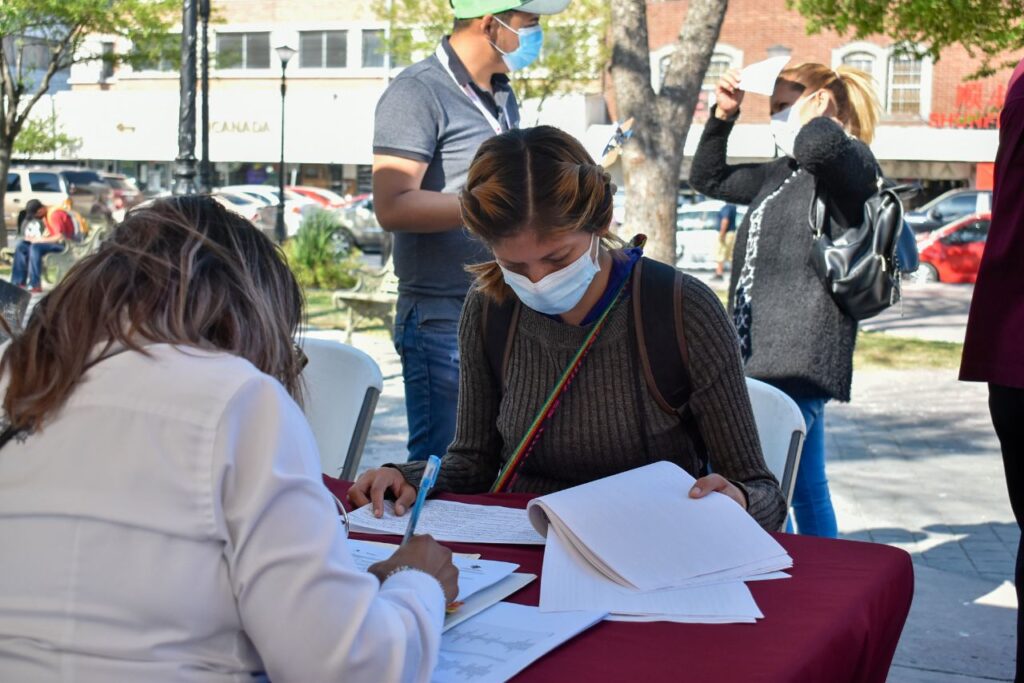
(313, 254)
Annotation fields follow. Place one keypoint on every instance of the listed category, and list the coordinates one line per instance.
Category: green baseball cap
(471, 9)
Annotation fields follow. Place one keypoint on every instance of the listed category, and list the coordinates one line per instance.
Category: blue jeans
(29, 257)
(429, 350)
(812, 503)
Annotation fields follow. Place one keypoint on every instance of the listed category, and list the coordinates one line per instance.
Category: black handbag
(859, 266)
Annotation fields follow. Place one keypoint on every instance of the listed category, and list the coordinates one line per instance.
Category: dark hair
(32, 208)
(539, 179)
(182, 271)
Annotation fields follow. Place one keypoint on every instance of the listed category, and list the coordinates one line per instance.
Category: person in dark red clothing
(28, 255)
(994, 347)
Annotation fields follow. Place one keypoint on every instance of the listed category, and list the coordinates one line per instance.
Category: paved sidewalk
(913, 463)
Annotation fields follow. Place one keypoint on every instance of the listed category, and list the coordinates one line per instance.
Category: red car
(953, 252)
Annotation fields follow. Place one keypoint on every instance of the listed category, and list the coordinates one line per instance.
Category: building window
(904, 91)
(865, 61)
(720, 64)
(323, 49)
(373, 49)
(402, 42)
(163, 55)
(107, 68)
(243, 50)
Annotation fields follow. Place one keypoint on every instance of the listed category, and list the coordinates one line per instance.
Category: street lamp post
(285, 53)
(205, 181)
(185, 164)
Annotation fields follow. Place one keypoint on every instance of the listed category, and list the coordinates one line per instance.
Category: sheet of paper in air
(571, 583)
(474, 575)
(760, 77)
(453, 522)
(500, 642)
(655, 536)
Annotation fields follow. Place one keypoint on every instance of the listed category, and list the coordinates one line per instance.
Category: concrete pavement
(913, 463)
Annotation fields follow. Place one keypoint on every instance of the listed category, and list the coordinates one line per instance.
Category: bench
(57, 264)
(373, 296)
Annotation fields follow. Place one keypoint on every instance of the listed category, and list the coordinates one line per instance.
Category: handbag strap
(510, 471)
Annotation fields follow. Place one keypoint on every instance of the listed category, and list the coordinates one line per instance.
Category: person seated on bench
(542, 205)
(28, 255)
(163, 516)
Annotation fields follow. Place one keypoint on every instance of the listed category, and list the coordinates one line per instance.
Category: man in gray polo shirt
(429, 124)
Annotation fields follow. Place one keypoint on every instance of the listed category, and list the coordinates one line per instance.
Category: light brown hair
(182, 271)
(539, 179)
(853, 90)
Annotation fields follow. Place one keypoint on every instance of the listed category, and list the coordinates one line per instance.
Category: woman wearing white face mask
(792, 334)
(538, 200)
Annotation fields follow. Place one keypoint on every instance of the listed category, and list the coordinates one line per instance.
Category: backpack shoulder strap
(499, 321)
(657, 299)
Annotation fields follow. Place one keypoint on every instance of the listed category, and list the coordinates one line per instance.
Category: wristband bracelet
(409, 568)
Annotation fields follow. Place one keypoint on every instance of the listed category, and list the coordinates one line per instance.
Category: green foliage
(576, 49)
(313, 254)
(42, 136)
(985, 28)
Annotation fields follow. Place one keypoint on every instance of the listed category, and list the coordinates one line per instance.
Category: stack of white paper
(637, 546)
(452, 522)
(497, 644)
(482, 583)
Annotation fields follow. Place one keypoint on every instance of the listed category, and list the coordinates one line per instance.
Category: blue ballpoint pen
(426, 483)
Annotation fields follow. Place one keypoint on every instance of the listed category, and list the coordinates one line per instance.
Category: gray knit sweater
(607, 422)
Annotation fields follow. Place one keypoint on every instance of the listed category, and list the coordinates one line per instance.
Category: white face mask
(560, 291)
(785, 126)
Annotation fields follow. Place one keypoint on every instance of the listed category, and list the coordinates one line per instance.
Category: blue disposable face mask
(560, 291)
(531, 39)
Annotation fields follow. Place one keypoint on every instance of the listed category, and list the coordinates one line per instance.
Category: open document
(636, 545)
(453, 522)
(500, 642)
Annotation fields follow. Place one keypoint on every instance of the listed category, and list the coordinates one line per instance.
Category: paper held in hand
(653, 553)
(760, 77)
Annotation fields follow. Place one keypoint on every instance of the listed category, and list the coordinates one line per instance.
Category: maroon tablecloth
(837, 619)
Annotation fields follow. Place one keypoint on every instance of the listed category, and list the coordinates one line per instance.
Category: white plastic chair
(342, 385)
(781, 428)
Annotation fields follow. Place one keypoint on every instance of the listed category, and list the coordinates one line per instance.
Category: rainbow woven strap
(508, 474)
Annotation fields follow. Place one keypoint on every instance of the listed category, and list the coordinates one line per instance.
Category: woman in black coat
(792, 334)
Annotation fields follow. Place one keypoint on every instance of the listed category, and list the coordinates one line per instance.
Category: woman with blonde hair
(162, 515)
(570, 403)
(792, 333)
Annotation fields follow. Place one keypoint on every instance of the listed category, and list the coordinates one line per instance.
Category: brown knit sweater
(607, 422)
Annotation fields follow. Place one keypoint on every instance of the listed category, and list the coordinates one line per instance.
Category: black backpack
(859, 267)
(657, 303)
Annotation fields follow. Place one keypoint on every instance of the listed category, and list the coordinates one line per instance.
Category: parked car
(953, 252)
(125, 192)
(295, 205)
(360, 227)
(697, 228)
(947, 208)
(322, 196)
(90, 195)
(245, 206)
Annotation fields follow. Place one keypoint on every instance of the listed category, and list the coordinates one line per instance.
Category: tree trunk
(5, 165)
(652, 161)
(651, 204)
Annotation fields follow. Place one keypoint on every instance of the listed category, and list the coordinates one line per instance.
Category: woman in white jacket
(162, 516)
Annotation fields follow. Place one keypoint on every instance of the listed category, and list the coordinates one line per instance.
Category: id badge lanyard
(495, 125)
